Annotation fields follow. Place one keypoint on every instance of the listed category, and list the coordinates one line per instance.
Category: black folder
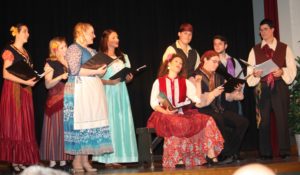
(231, 83)
(97, 61)
(22, 70)
(125, 71)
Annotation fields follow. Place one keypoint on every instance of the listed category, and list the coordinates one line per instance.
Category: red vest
(278, 57)
(181, 85)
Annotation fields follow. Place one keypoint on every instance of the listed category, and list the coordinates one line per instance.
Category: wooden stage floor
(290, 166)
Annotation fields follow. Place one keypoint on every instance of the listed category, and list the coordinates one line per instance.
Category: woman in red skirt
(189, 136)
(17, 132)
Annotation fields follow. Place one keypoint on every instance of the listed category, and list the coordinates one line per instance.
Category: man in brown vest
(272, 93)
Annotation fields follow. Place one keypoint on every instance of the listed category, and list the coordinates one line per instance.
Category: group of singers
(86, 113)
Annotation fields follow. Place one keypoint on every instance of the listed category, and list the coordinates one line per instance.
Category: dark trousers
(276, 100)
(232, 126)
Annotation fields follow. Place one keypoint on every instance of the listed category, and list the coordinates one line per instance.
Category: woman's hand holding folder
(31, 82)
(129, 77)
(102, 70)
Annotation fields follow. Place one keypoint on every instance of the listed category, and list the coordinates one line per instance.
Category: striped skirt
(52, 143)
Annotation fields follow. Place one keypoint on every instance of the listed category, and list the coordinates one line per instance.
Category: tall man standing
(272, 90)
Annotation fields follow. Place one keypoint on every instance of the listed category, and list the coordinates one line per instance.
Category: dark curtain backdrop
(145, 29)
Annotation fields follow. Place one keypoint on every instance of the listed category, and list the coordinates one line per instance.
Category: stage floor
(291, 166)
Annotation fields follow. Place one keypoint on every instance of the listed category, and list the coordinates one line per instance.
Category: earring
(168, 67)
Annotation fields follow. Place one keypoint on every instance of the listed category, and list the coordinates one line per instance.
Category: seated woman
(232, 125)
(190, 137)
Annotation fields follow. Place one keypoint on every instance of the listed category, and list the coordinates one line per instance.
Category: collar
(206, 73)
(171, 78)
(178, 45)
(272, 45)
(224, 61)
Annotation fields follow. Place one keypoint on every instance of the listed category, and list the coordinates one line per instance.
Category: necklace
(24, 53)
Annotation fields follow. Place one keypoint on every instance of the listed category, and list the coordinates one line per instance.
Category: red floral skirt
(188, 137)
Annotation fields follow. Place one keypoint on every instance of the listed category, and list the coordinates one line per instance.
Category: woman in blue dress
(119, 110)
(86, 129)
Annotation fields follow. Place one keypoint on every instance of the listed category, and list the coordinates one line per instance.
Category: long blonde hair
(79, 29)
(53, 46)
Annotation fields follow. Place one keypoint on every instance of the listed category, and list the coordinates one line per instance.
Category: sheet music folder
(230, 84)
(125, 71)
(22, 70)
(267, 67)
(97, 61)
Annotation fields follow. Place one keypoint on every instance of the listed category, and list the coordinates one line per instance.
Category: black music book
(231, 83)
(22, 70)
(125, 71)
(97, 61)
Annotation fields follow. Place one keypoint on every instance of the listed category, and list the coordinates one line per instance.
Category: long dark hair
(163, 70)
(104, 47)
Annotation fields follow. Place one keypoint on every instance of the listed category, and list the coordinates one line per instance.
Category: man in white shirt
(230, 65)
(182, 47)
(272, 91)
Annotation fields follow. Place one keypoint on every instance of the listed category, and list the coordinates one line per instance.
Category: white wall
(258, 15)
(289, 23)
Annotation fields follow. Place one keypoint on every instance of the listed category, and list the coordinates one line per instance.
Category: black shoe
(210, 161)
(227, 160)
(237, 158)
(56, 166)
(284, 156)
(63, 168)
(265, 158)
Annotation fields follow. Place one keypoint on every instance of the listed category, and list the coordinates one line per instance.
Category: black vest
(189, 60)
(216, 104)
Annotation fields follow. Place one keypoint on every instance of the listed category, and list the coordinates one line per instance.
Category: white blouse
(289, 72)
(190, 93)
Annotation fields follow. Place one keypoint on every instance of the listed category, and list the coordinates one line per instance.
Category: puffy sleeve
(154, 93)
(197, 61)
(290, 71)
(191, 92)
(73, 58)
(127, 62)
(8, 55)
(251, 80)
(169, 50)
